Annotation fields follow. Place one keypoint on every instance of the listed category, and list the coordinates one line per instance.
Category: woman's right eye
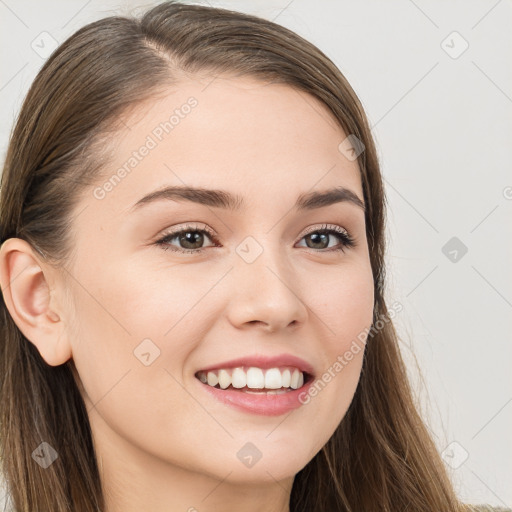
(188, 237)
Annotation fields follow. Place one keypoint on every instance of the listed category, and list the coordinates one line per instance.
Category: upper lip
(264, 362)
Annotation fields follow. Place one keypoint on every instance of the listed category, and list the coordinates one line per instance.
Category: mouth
(256, 380)
(258, 384)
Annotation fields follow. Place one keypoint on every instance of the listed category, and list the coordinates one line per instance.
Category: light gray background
(443, 124)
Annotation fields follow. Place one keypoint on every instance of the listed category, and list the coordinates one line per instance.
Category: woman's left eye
(192, 238)
(319, 236)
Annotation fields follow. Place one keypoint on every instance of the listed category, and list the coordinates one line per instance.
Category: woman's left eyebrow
(227, 200)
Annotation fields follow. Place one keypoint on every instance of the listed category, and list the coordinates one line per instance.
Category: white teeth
(238, 378)
(224, 379)
(270, 392)
(295, 379)
(255, 378)
(212, 379)
(274, 379)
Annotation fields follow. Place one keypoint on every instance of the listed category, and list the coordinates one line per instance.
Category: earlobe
(26, 293)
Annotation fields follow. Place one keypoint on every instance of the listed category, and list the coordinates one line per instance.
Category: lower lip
(263, 404)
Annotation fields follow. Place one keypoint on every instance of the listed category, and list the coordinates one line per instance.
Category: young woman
(192, 272)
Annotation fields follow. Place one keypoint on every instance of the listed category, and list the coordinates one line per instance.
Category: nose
(266, 294)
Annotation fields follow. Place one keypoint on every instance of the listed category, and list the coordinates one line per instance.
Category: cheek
(128, 304)
(158, 300)
(345, 303)
(130, 316)
(117, 326)
(344, 310)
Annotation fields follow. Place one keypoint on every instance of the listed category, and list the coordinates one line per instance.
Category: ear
(24, 280)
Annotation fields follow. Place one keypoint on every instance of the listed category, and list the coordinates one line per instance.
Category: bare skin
(163, 443)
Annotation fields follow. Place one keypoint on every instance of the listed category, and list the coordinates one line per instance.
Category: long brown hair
(381, 456)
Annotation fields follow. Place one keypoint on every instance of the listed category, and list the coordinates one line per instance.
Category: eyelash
(347, 241)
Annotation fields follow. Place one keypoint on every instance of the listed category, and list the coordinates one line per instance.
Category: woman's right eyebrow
(227, 200)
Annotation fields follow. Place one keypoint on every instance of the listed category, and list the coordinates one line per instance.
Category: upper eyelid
(324, 226)
(198, 227)
(176, 231)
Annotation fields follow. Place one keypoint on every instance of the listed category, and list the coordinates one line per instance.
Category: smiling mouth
(253, 380)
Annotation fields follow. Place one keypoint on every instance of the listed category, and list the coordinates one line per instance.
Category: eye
(192, 237)
(320, 237)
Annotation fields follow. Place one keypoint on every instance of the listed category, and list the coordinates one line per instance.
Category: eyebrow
(223, 199)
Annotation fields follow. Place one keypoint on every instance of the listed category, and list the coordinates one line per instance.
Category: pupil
(188, 238)
(314, 236)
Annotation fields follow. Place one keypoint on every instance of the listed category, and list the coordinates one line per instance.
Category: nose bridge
(265, 285)
(261, 259)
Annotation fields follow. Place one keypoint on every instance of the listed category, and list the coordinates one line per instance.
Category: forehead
(256, 139)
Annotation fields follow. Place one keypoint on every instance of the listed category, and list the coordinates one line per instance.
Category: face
(172, 287)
